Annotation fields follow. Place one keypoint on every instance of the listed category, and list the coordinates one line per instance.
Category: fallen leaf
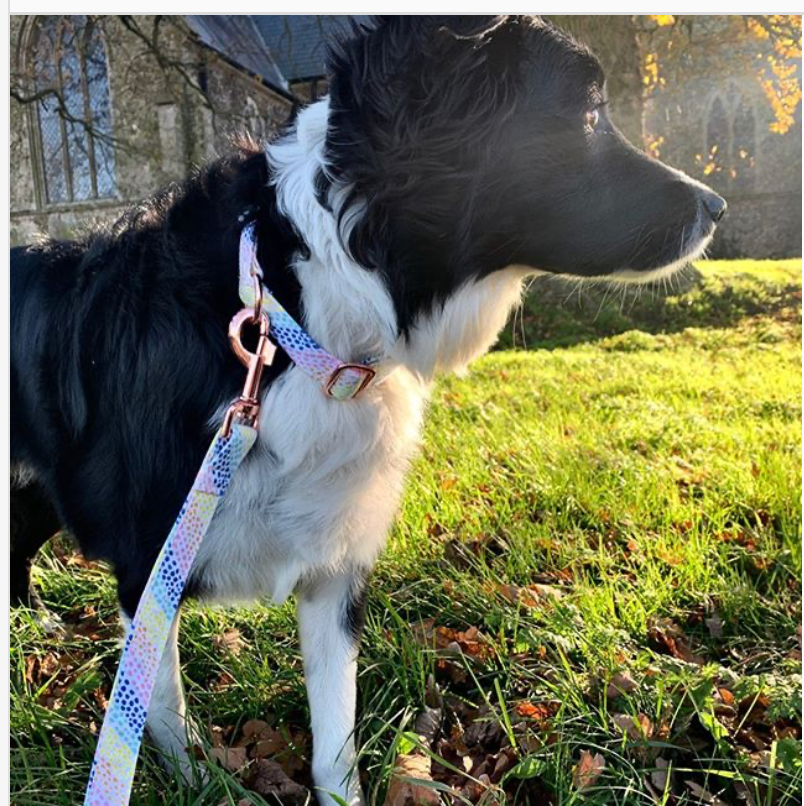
(231, 642)
(404, 789)
(539, 711)
(448, 641)
(638, 727)
(587, 770)
(621, 683)
(726, 696)
(704, 796)
(715, 626)
(427, 724)
(268, 778)
(660, 775)
(532, 596)
(667, 635)
(232, 758)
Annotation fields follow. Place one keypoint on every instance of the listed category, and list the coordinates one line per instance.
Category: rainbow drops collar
(339, 379)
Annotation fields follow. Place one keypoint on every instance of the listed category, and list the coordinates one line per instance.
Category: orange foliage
(776, 73)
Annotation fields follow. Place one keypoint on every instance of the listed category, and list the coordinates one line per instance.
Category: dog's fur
(397, 217)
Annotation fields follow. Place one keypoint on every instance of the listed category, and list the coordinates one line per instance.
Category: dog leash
(112, 773)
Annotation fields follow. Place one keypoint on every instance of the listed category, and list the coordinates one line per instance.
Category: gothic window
(743, 146)
(731, 143)
(717, 135)
(73, 114)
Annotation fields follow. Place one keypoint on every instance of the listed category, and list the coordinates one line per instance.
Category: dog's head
(470, 144)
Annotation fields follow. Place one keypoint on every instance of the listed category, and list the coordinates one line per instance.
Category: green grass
(645, 468)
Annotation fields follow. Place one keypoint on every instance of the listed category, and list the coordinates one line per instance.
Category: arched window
(717, 138)
(731, 142)
(743, 146)
(73, 115)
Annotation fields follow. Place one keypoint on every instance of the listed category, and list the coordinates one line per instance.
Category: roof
(236, 38)
(298, 42)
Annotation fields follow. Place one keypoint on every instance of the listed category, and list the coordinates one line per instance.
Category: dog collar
(339, 379)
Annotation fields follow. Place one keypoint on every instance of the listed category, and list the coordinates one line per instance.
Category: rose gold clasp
(247, 407)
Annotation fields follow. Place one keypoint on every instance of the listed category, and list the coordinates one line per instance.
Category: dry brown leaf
(667, 635)
(532, 596)
(587, 770)
(231, 642)
(621, 683)
(407, 792)
(449, 641)
(704, 796)
(726, 696)
(232, 758)
(538, 711)
(427, 724)
(715, 626)
(268, 778)
(660, 775)
(638, 727)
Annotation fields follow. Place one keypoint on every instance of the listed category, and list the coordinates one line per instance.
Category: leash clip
(247, 407)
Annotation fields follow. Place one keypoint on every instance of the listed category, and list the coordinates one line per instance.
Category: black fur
(354, 616)
(120, 356)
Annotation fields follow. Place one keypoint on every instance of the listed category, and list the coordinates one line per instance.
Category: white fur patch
(321, 487)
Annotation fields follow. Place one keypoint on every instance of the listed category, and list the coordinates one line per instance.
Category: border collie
(397, 217)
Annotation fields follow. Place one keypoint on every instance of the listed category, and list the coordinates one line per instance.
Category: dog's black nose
(715, 205)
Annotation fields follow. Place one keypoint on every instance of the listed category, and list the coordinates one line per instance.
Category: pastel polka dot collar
(339, 379)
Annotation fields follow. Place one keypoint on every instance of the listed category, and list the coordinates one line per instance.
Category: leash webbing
(112, 773)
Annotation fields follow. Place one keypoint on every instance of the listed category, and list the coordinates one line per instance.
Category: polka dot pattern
(118, 745)
(302, 349)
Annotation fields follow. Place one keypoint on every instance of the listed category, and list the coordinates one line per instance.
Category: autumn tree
(765, 46)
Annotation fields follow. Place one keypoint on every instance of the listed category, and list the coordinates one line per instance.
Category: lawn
(592, 593)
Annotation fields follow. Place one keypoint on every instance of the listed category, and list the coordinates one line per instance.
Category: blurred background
(106, 109)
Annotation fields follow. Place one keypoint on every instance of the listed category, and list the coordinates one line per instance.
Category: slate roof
(235, 36)
(298, 41)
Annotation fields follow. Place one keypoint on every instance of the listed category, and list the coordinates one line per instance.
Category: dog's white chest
(319, 489)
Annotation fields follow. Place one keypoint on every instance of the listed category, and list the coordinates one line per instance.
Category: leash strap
(339, 379)
(118, 746)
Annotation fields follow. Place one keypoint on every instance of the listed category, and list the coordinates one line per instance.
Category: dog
(398, 217)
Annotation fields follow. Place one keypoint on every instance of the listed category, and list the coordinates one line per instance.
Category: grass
(622, 499)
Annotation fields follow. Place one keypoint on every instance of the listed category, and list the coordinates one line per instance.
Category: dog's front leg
(330, 611)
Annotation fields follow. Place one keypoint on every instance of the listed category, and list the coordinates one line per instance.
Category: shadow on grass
(559, 313)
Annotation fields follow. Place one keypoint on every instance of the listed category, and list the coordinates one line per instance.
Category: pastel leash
(112, 773)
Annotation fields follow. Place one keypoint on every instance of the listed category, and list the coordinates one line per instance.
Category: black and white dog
(398, 217)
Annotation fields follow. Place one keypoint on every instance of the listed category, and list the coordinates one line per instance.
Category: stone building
(106, 110)
(712, 120)
(160, 97)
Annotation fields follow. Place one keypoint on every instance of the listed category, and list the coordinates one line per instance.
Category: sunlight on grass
(625, 508)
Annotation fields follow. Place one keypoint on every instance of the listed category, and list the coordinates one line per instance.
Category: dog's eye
(592, 118)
